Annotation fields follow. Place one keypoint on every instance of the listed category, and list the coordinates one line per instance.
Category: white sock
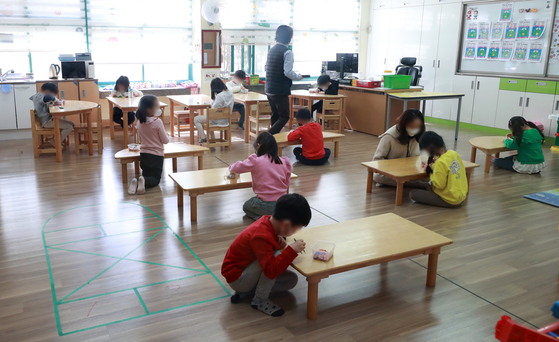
(141, 186)
(133, 186)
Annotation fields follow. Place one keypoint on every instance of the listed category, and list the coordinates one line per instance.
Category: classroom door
(428, 51)
(378, 42)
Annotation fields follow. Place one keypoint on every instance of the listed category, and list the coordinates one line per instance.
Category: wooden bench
(402, 170)
(204, 181)
(281, 139)
(172, 150)
(489, 146)
(365, 242)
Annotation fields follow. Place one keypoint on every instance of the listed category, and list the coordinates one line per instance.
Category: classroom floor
(115, 257)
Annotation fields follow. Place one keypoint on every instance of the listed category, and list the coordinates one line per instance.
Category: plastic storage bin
(134, 147)
(397, 81)
(509, 331)
(323, 250)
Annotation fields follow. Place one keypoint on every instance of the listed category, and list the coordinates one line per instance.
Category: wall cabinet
(23, 105)
(463, 85)
(8, 109)
(485, 100)
(378, 43)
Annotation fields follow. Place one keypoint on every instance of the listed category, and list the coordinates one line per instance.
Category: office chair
(407, 67)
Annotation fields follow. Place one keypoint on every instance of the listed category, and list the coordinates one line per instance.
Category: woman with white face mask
(401, 141)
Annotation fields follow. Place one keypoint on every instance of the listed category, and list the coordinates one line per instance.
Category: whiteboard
(491, 13)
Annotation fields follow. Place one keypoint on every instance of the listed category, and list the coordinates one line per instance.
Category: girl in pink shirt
(271, 176)
(153, 136)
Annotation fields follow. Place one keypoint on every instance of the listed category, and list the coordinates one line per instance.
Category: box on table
(367, 84)
(397, 81)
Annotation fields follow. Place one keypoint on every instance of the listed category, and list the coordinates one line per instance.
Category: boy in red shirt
(310, 133)
(254, 262)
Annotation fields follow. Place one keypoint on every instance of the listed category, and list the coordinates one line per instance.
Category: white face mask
(413, 131)
(158, 112)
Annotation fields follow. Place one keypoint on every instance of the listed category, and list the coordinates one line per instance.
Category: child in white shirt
(221, 98)
(236, 86)
(121, 90)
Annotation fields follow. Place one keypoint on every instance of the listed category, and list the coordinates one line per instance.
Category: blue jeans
(504, 163)
(239, 107)
(298, 152)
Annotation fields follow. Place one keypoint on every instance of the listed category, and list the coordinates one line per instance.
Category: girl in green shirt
(528, 140)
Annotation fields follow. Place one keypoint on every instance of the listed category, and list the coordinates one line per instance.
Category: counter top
(103, 94)
(18, 82)
(67, 80)
(382, 90)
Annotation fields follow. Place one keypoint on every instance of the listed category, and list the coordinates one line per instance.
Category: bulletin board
(507, 38)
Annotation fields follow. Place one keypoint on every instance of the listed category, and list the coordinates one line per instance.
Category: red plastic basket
(508, 330)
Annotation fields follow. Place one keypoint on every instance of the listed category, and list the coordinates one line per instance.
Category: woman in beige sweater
(401, 141)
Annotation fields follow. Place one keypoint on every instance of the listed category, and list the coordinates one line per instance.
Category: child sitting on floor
(236, 86)
(447, 172)
(254, 262)
(271, 176)
(221, 98)
(310, 133)
(121, 90)
(41, 102)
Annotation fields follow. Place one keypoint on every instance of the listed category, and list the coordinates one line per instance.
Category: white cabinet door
(377, 49)
(404, 36)
(428, 50)
(8, 110)
(511, 103)
(406, 3)
(440, 2)
(537, 107)
(23, 105)
(553, 123)
(463, 85)
(485, 101)
(381, 4)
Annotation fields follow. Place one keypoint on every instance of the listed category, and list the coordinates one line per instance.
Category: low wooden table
(402, 170)
(195, 103)
(249, 99)
(310, 97)
(489, 146)
(172, 150)
(127, 104)
(204, 181)
(281, 139)
(365, 242)
(73, 108)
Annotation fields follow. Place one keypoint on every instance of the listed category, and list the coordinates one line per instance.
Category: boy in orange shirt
(310, 133)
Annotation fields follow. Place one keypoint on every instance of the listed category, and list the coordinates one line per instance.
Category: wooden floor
(504, 259)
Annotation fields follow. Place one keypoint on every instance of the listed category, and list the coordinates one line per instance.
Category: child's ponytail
(431, 141)
(533, 125)
(267, 145)
(146, 102)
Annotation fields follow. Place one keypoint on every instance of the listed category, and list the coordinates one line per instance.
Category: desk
(310, 97)
(172, 150)
(489, 146)
(72, 108)
(281, 139)
(195, 103)
(402, 170)
(365, 242)
(204, 181)
(249, 99)
(126, 104)
(424, 96)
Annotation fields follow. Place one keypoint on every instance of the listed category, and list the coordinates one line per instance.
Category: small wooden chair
(38, 134)
(263, 115)
(224, 131)
(183, 115)
(331, 112)
(80, 129)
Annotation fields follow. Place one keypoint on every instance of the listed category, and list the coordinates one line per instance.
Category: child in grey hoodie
(41, 101)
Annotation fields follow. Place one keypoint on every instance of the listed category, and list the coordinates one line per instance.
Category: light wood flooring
(504, 260)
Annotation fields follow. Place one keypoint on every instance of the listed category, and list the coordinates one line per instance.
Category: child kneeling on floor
(310, 133)
(271, 176)
(254, 262)
(447, 173)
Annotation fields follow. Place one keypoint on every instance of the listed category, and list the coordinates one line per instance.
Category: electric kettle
(54, 70)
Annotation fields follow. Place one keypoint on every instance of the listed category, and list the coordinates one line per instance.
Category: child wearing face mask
(153, 136)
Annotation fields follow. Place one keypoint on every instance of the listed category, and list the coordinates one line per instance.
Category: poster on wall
(524, 29)
(483, 31)
(494, 50)
(538, 28)
(470, 50)
(506, 12)
(554, 50)
(535, 52)
(510, 31)
(520, 51)
(497, 30)
(481, 50)
(472, 31)
(507, 49)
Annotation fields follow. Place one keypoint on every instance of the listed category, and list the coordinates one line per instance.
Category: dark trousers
(239, 107)
(117, 117)
(317, 107)
(504, 163)
(152, 167)
(280, 112)
(298, 152)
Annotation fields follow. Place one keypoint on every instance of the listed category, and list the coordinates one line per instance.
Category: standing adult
(280, 77)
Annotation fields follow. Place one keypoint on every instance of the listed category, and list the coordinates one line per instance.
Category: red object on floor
(508, 330)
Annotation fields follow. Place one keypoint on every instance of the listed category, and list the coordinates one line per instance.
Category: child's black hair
(267, 145)
(323, 80)
(123, 80)
(52, 87)
(293, 207)
(240, 74)
(217, 86)
(430, 141)
(515, 125)
(284, 34)
(304, 114)
(146, 102)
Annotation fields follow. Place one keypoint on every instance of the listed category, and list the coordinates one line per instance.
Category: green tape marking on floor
(102, 237)
(102, 230)
(141, 301)
(91, 225)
